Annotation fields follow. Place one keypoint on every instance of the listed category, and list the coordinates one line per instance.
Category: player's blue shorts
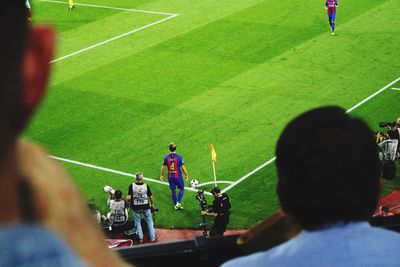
(332, 16)
(176, 182)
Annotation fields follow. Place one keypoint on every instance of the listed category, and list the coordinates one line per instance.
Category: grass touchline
(120, 172)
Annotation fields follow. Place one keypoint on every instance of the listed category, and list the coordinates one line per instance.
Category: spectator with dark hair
(329, 182)
(45, 220)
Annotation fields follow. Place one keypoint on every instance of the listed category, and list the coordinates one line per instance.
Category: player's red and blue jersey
(331, 6)
(174, 162)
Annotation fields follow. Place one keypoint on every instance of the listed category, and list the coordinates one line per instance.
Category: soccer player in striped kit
(330, 6)
(175, 165)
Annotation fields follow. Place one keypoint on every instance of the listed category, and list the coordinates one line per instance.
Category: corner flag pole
(214, 160)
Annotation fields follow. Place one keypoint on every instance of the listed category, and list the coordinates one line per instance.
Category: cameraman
(397, 129)
(141, 202)
(220, 212)
(387, 155)
(118, 214)
(388, 147)
(394, 126)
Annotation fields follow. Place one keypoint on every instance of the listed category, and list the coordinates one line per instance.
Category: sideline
(117, 172)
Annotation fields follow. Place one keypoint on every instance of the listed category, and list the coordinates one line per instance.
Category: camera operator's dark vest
(222, 206)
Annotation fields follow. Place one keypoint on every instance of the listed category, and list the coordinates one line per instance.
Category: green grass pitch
(231, 73)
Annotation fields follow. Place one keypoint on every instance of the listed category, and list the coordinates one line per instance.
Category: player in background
(70, 5)
(175, 165)
(28, 7)
(330, 6)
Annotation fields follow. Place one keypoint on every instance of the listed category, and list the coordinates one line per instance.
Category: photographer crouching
(220, 211)
(387, 154)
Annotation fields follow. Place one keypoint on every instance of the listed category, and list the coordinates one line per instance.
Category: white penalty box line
(169, 16)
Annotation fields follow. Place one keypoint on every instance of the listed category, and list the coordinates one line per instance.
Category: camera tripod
(202, 226)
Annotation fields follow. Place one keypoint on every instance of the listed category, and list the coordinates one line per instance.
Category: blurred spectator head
(328, 168)
(13, 38)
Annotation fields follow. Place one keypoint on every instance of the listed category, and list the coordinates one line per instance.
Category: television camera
(204, 207)
(387, 124)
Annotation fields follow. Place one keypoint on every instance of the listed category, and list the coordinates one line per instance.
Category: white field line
(248, 175)
(394, 88)
(274, 158)
(113, 39)
(218, 182)
(373, 95)
(170, 16)
(110, 7)
(117, 172)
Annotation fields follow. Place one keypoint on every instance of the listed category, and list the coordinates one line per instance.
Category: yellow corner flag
(213, 154)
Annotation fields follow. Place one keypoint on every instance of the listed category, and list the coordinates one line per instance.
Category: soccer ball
(194, 183)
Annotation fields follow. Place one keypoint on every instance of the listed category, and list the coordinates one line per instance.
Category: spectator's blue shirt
(174, 162)
(353, 244)
(35, 246)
